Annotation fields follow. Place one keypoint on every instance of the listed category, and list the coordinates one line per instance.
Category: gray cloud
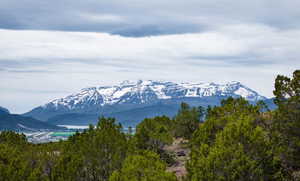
(50, 49)
(137, 18)
(253, 60)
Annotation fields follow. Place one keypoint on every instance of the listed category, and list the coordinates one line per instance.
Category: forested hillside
(234, 141)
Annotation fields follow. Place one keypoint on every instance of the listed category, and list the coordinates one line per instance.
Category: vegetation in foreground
(237, 141)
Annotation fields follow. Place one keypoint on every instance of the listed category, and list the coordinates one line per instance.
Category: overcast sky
(51, 48)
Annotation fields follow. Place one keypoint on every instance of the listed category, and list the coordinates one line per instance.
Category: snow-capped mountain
(135, 100)
(145, 92)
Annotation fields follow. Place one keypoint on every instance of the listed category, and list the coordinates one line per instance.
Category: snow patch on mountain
(141, 92)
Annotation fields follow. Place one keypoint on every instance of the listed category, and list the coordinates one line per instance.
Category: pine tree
(231, 145)
(145, 166)
(187, 120)
(287, 122)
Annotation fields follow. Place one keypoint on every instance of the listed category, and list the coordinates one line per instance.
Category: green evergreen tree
(240, 152)
(217, 118)
(145, 166)
(287, 122)
(231, 145)
(153, 133)
(187, 120)
(97, 152)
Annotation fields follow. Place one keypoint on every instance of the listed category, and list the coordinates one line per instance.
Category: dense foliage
(240, 141)
(187, 120)
(143, 166)
(231, 145)
(91, 155)
(287, 122)
(233, 141)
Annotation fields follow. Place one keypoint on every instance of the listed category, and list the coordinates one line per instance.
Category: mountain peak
(139, 82)
(147, 91)
(128, 95)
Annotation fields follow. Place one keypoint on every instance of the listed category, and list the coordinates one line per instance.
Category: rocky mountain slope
(130, 98)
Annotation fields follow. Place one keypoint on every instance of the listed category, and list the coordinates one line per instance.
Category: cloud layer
(49, 49)
(142, 18)
(41, 65)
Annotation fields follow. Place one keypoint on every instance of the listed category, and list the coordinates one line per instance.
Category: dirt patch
(180, 149)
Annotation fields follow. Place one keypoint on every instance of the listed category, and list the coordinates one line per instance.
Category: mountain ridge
(4, 111)
(131, 95)
(22, 123)
(146, 91)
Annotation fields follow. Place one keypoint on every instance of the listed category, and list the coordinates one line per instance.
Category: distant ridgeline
(131, 102)
(236, 140)
(3, 111)
(22, 123)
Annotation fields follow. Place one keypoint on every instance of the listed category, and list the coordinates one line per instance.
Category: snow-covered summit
(147, 91)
